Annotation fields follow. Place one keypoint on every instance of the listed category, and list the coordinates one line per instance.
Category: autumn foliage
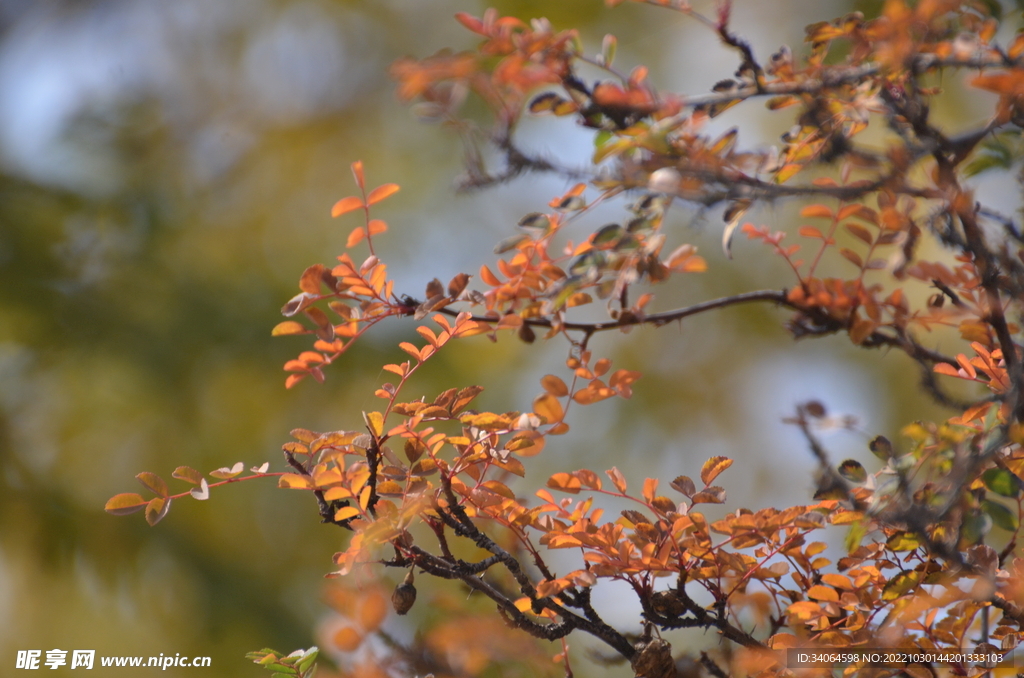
(429, 485)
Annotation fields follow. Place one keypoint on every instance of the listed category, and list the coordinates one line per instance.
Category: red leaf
(471, 22)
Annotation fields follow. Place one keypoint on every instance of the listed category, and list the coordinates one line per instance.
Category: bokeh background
(166, 174)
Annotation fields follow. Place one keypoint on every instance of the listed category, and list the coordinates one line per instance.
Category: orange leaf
(565, 483)
(811, 211)
(470, 22)
(355, 237)
(617, 479)
(189, 475)
(346, 205)
(125, 503)
(154, 483)
(156, 509)
(411, 350)
(810, 232)
(947, 369)
(310, 280)
(713, 467)
(554, 385)
(348, 639)
(650, 487)
(548, 407)
(372, 610)
(377, 226)
(826, 593)
(526, 444)
(381, 192)
(488, 277)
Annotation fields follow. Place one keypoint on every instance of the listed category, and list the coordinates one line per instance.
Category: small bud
(815, 409)
(664, 180)
(653, 659)
(404, 596)
(527, 334)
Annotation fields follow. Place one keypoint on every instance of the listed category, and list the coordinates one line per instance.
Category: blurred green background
(166, 173)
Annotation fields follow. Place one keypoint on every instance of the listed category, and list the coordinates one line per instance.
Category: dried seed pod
(668, 603)
(404, 596)
(654, 660)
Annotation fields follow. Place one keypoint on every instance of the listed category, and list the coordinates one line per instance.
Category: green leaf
(992, 154)
(510, 243)
(535, 223)
(1001, 516)
(1001, 482)
(608, 234)
(995, 9)
(904, 541)
(974, 528)
(855, 536)
(900, 584)
(608, 47)
(308, 658)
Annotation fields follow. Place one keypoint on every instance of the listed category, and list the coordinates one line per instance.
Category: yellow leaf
(375, 420)
(294, 481)
(788, 172)
(288, 327)
(346, 512)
